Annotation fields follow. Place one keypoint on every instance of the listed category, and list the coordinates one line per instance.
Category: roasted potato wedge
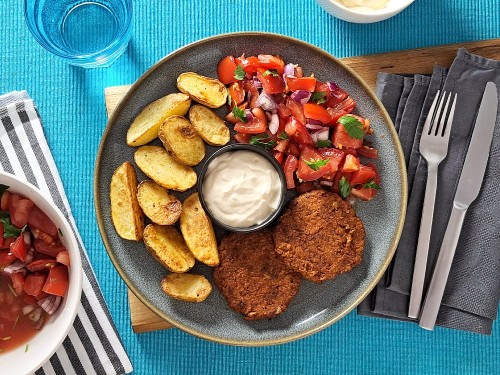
(186, 287)
(159, 166)
(198, 232)
(166, 244)
(126, 214)
(145, 126)
(181, 140)
(204, 90)
(157, 204)
(209, 125)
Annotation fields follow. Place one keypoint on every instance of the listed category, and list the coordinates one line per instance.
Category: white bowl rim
(73, 295)
(374, 12)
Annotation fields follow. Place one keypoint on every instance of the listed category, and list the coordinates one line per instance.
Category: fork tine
(440, 114)
(442, 117)
(430, 116)
(447, 128)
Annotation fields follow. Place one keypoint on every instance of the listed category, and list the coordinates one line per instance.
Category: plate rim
(265, 342)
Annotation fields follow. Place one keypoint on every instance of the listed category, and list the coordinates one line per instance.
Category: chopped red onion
(301, 96)
(249, 115)
(27, 309)
(257, 83)
(314, 126)
(17, 266)
(50, 303)
(351, 199)
(322, 135)
(29, 255)
(274, 124)
(35, 315)
(326, 183)
(289, 70)
(266, 102)
(40, 322)
(332, 86)
(27, 238)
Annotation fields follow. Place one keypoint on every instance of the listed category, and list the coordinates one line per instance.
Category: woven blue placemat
(71, 104)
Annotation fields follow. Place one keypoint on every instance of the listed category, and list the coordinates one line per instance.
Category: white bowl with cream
(364, 11)
(242, 187)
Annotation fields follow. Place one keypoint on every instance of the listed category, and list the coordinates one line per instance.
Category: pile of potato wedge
(176, 233)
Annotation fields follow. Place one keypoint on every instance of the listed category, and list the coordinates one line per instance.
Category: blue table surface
(71, 103)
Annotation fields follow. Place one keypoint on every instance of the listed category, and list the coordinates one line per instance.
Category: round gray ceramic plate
(315, 306)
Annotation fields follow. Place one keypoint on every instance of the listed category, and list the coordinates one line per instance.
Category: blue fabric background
(71, 103)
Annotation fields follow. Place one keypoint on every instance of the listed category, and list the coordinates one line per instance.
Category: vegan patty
(252, 276)
(319, 236)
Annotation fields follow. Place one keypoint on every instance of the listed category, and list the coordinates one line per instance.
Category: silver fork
(434, 148)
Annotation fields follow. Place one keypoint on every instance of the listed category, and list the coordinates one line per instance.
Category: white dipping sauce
(241, 188)
(363, 4)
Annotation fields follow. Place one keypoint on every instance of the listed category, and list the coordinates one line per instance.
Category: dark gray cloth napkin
(472, 293)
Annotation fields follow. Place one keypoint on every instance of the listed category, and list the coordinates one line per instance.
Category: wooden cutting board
(409, 62)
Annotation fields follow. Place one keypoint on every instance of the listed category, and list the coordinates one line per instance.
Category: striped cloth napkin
(93, 345)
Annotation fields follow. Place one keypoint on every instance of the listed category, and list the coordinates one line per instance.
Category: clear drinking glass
(87, 33)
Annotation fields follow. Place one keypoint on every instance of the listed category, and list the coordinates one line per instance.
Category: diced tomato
(365, 194)
(293, 149)
(296, 109)
(38, 219)
(30, 300)
(242, 138)
(322, 87)
(252, 92)
(63, 258)
(237, 93)
(338, 177)
(303, 83)
(335, 157)
(283, 111)
(20, 209)
(364, 174)
(368, 152)
(41, 264)
(232, 118)
(307, 173)
(1, 234)
(19, 248)
(271, 84)
(342, 139)
(270, 62)
(351, 164)
(4, 205)
(298, 131)
(343, 108)
(249, 64)
(57, 281)
(51, 250)
(34, 283)
(316, 112)
(291, 164)
(304, 187)
(225, 70)
(7, 242)
(6, 258)
(18, 282)
(256, 126)
(335, 97)
(377, 175)
(282, 145)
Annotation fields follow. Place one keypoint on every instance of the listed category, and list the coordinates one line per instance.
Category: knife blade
(467, 191)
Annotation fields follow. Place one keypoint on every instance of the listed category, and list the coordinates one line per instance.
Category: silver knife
(468, 188)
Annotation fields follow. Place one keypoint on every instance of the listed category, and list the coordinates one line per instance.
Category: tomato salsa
(307, 124)
(33, 269)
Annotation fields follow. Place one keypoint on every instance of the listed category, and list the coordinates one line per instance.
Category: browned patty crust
(319, 236)
(253, 277)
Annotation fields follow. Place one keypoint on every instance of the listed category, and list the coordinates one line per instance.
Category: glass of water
(87, 33)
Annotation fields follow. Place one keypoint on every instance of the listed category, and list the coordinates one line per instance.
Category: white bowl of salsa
(40, 277)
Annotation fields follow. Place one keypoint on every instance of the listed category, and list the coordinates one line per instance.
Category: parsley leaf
(262, 140)
(268, 72)
(9, 229)
(239, 73)
(316, 164)
(352, 126)
(318, 97)
(324, 143)
(371, 184)
(283, 135)
(344, 187)
(239, 113)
